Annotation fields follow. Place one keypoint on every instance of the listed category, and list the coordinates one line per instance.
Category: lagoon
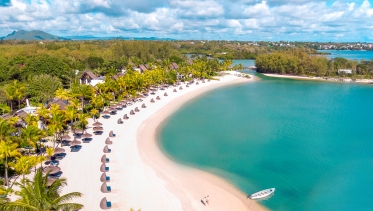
(349, 54)
(310, 140)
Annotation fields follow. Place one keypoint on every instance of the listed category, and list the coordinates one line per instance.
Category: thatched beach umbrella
(132, 112)
(105, 113)
(98, 129)
(104, 178)
(152, 100)
(175, 90)
(203, 81)
(187, 85)
(105, 188)
(106, 149)
(119, 121)
(181, 88)
(75, 142)
(104, 168)
(165, 94)
(108, 141)
(111, 134)
(137, 109)
(104, 159)
(158, 98)
(51, 169)
(86, 135)
(65, 137)
(97, 124)
(143, 105)
(125, 116)
(59, 150)
(197, 83)
(78, 131)
(105, 204)
(50, 181)
(111, 110)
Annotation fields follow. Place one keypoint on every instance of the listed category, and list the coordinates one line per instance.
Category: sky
(271, 20)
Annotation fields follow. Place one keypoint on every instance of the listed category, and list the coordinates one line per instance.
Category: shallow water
(310, 140)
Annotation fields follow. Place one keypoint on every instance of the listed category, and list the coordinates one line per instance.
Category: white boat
(262, 193)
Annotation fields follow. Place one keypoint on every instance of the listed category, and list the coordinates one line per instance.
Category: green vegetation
(39, 196)
(304, 62)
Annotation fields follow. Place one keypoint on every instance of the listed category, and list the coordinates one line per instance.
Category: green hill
(31, 35)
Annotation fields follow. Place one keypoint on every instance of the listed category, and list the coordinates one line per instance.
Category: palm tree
(32, 134)
(7, 150)
(62, 94)
(93, 113)
(23, 165)
(43, 114)
(49, 151)
(4, 108)
(37, 195)
(6, 129)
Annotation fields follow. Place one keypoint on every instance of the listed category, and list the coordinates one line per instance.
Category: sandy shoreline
(349, 80)
(141, 176)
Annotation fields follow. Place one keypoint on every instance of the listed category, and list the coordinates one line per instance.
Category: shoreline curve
(190, 184)
(141, 176)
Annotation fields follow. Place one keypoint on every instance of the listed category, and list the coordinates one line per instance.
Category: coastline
(192, 184)
(141, 176)
(348, 80)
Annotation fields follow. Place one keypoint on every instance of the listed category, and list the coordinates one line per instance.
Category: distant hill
(31, 35)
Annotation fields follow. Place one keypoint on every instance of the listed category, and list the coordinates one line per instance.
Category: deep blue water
(312, 141)
(353, 55)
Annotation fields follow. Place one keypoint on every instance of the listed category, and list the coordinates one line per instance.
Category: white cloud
(257, 10)
(271, 19)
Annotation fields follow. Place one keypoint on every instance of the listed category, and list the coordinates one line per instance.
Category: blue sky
(271, 20)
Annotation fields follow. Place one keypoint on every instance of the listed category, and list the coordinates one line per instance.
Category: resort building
(345, 71)
(87, 77)
(62, 103)
(174, 66)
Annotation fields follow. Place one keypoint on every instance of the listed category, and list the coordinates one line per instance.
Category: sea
(349, 54)
(310, 140)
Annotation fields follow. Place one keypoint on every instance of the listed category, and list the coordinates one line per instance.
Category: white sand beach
(349, 80)
(141, 176)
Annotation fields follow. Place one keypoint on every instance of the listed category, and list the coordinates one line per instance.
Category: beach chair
(107, 168)
(108, 204)
(108, 188)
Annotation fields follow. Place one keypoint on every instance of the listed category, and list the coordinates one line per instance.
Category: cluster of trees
(17, 156)
(61, 59)
(222, 49)
(304, 62)
(84, 101)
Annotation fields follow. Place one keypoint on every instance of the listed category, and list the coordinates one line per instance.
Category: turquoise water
(312, 141)
(353, 55)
